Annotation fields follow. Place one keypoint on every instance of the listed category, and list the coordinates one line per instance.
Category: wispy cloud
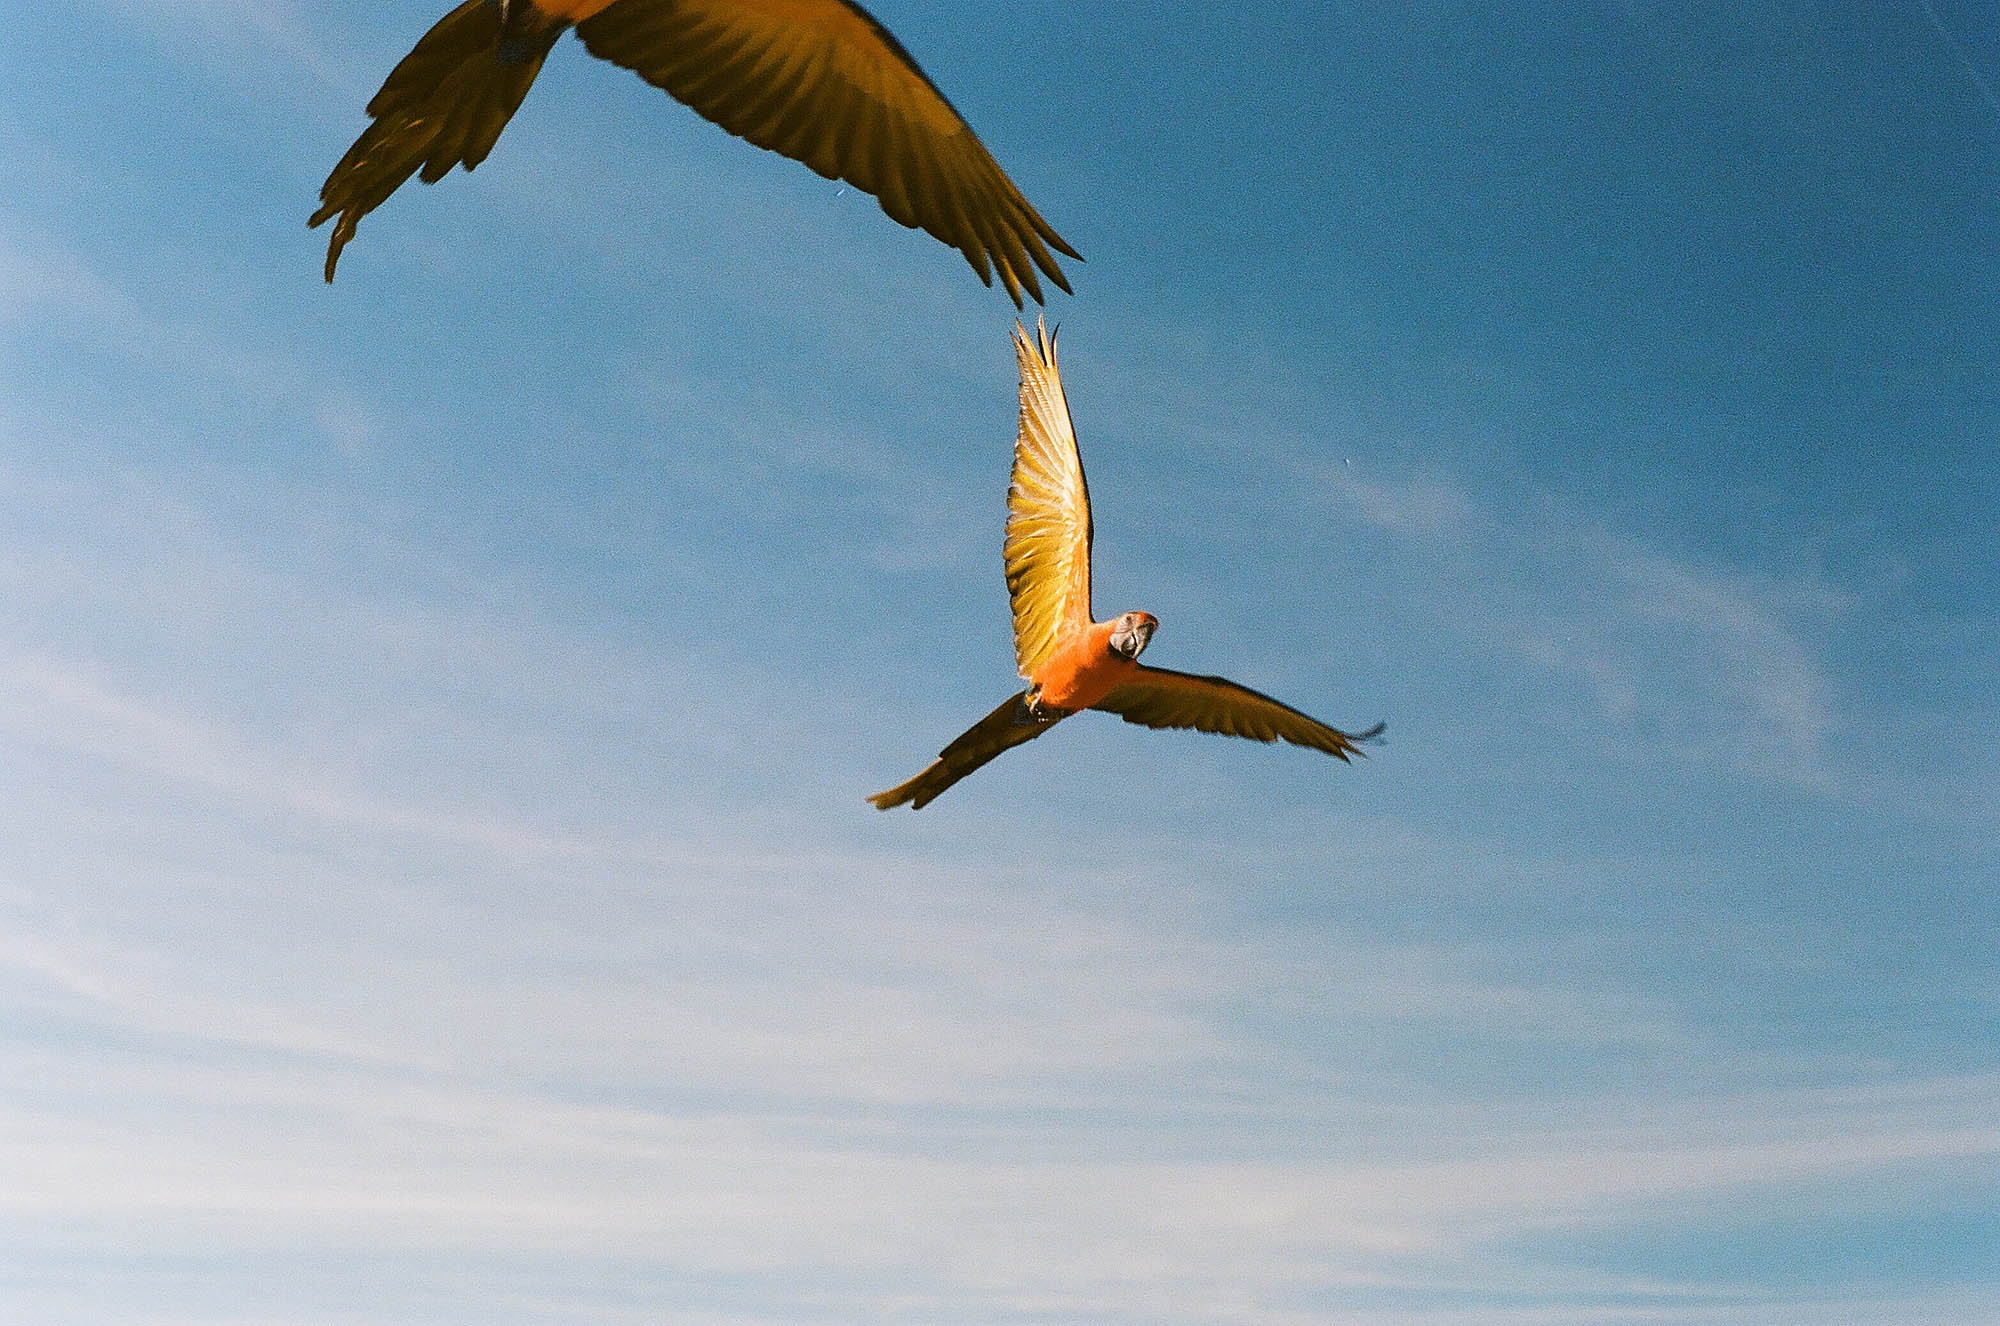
(1980, 80)
(302, 1006)
(273, 1004)
(47, 283)
(1699, 663)
(976, 1213)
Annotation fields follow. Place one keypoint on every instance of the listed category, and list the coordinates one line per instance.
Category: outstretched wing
(1048, 511)
(1160, 698)
(1005, 728)
(443, 105)
(822, 82)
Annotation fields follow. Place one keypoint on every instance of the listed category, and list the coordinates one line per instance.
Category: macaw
(819, 81)
(1071, 661)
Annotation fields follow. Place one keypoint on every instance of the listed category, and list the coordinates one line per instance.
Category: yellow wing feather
(1161, 698)
(1048, 512)
(822, 82)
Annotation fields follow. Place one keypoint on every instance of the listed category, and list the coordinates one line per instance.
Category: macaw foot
(1032, 710)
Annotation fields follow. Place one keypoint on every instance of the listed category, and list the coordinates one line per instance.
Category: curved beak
(1134, 633)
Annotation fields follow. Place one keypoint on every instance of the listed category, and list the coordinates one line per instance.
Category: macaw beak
(1134, 633)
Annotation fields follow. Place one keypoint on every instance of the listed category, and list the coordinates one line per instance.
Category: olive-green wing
(822, 82)
(1160, 698)
(443, 105)
(1048, 512)
(1005, 728)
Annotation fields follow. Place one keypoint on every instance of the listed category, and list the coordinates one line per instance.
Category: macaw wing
(443, 105)
(1160, 698)
(822, 82)
(1005, 728)
(1048, 511)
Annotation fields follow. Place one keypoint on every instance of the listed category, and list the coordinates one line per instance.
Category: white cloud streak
(272, 1007)
(1699, 664)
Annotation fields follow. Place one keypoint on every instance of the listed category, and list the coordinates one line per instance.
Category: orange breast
(576, 11)
(1083, 671)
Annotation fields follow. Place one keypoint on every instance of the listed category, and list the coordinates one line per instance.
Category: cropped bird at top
(1070, 660)
(819, 81)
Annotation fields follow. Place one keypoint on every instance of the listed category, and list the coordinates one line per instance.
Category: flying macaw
(1070, 660)
(819, 81)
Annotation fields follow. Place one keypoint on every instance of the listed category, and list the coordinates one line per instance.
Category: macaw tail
(444, 105)
(1006, 727)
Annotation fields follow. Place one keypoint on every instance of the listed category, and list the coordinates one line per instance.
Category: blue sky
(435, 884)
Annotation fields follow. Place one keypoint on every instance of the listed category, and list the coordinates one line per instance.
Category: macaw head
(1132, 632)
